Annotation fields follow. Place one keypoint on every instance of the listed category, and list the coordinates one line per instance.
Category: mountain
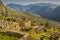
(55, 14)
(15, 6)
(7, 13)
(46, 10)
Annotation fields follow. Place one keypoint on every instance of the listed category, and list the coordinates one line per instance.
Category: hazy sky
(25, 2)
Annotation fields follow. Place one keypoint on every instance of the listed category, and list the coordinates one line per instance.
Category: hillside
(20, 25)
(46, 10)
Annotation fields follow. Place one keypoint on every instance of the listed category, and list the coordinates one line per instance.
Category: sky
(26, 2)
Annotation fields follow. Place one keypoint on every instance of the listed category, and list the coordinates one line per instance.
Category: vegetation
(6, 37)
(51, 34)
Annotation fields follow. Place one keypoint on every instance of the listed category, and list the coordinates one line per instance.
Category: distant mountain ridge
(46, 10)
(15, 6)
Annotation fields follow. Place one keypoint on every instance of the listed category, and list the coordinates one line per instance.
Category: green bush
(3, 36)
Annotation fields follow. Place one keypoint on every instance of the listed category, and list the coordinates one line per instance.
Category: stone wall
(6, 25)
(11, 33)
